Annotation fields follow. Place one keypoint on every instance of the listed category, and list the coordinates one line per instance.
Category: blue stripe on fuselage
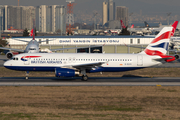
(102, 69)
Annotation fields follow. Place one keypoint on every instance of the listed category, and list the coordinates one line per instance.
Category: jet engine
(64, 72)
(176, 56)
(9, 55)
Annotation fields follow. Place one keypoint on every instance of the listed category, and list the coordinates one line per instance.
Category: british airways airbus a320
(70, 65)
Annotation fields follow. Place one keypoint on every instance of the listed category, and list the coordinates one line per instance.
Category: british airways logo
(25, 58)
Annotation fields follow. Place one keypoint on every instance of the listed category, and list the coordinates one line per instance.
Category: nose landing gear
(27, 75)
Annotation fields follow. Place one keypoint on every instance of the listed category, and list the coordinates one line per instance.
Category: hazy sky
(147, 6)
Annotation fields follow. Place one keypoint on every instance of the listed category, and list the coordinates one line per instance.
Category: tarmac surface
(92, 81)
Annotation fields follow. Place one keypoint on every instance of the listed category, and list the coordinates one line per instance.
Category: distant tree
(35, 32)
(124, 32)
(25, 32)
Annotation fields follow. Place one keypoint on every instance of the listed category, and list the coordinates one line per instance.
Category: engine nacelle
(9, 55)
(64, 72)
(176, 56)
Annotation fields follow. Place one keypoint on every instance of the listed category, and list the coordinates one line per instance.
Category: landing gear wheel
(84, 77)
(27, 75)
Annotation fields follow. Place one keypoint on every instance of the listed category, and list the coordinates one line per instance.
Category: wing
(135, 46)
(21, 40)
(85, 65)
(18, 50)
(72, 48)
(176, 51)
(46, 40)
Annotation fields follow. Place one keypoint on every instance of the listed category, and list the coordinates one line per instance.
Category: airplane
(132, 30)
(117, 31)
(72, 64)
(33, 47)
(173, 41)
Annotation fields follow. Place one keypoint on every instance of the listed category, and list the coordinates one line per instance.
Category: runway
(93, 81)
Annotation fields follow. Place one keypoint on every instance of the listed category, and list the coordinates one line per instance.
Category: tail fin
(159, 45)
(146, 24)
(174, 28)
(122, 24)
(31, 33)
(132, 26)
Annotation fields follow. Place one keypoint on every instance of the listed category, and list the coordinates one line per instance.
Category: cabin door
(139, 60)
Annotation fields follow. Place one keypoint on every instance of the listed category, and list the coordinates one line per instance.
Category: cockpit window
(14, 58)
(32, 48)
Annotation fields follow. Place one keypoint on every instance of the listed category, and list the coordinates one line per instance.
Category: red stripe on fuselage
(31, 56)
(163, 36)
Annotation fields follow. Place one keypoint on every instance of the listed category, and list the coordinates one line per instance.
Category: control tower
(69, 16)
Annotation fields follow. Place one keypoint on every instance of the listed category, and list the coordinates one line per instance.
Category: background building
(17, 17)
(122, 14)
(41, 18)
(51, 18)
(111, 10)
(60, 19)
(105, 12)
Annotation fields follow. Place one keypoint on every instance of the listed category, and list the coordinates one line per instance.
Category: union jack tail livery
(159, 46)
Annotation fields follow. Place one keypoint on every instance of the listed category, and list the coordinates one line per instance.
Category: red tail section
(132, 26)
(174, 27)
(122, 24)
(31, 33)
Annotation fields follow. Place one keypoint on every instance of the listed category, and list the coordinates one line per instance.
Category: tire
(84, 77)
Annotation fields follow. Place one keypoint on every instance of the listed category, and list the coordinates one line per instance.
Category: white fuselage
(51, 61)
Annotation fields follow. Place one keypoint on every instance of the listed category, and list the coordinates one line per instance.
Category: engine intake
(64, 72)
(9, 55)
(176, 56)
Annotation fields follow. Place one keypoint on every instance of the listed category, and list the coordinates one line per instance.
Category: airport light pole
(95, 14)
(168, 14)
(130, 18)
(0, 20)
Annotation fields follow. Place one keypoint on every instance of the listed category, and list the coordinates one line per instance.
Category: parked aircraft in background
(173, 41)
(33, 47)
(70, 65)
(135, 31)
(117, 31)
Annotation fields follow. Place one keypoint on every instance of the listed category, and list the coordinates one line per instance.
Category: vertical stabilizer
(160, 43)
(122, 24)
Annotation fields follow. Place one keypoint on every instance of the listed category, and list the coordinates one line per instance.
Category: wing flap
(11, 49)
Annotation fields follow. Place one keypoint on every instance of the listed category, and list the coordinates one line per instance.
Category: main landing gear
(84, 77)
(27, 75)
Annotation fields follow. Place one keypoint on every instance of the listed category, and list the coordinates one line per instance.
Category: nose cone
(7, 63)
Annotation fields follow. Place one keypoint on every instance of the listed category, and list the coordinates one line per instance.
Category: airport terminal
(108, 44)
